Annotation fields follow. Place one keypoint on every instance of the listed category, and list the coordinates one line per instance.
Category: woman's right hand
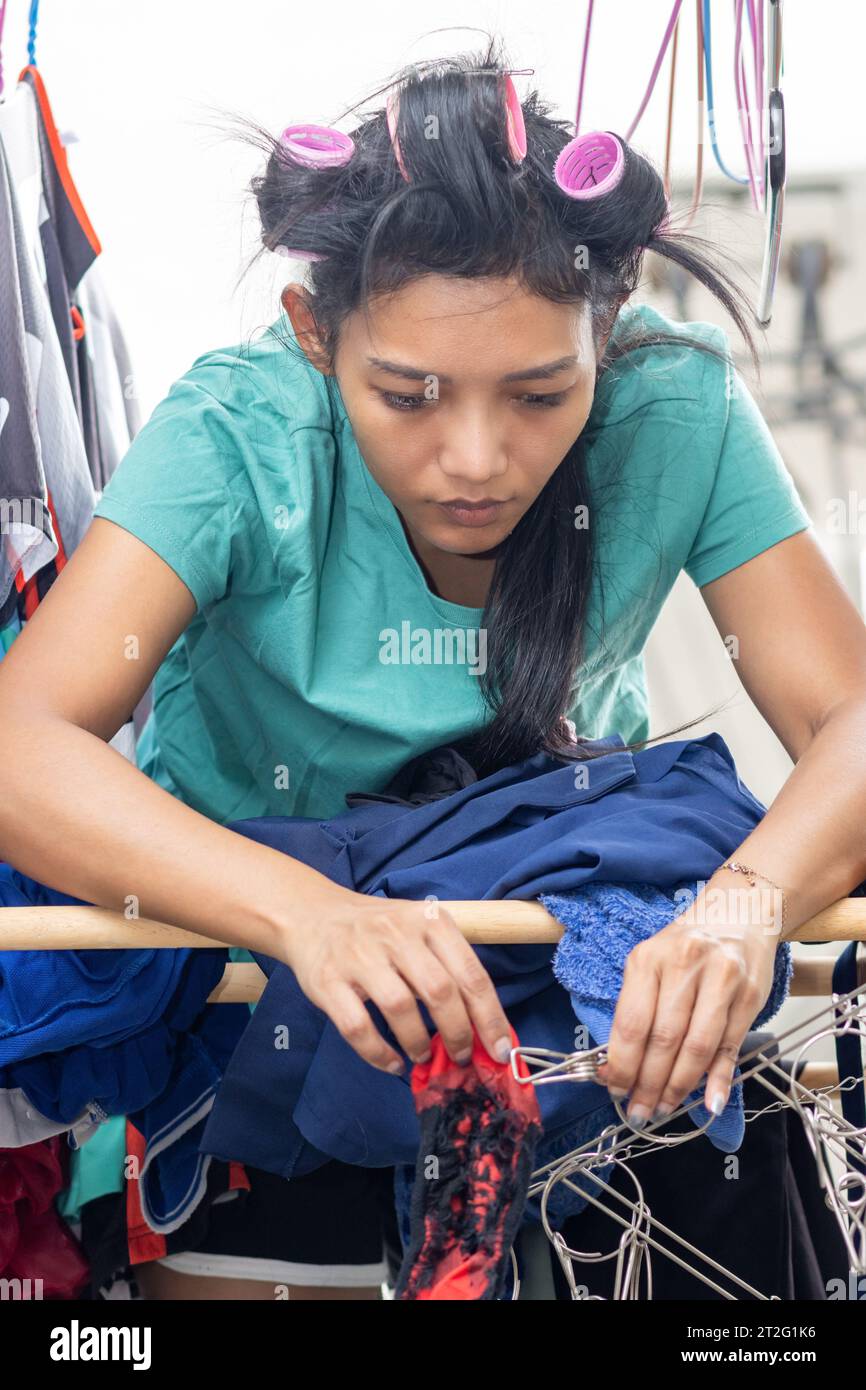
(391, 951)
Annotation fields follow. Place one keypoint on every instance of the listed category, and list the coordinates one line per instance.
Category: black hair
(469, 211)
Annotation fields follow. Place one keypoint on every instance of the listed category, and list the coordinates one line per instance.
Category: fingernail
(464, 1058)
(502, 1049)
(638, 1116)
(616, 1093)
(425, 1056)
(396, 1068)
(662, 1113)
(718, 1103)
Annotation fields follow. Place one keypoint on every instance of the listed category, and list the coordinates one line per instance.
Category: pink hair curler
(590, 165)
(318, 146)
(514, 121)
(514, 124)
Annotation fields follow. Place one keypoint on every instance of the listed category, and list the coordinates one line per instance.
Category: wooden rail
(501, 922)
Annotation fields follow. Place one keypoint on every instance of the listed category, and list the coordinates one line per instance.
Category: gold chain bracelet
(736, 867)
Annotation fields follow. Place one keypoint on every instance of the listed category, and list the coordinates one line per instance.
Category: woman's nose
(473, 455)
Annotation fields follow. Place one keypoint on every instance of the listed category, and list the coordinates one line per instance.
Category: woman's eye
(536, 401)
(551, 398)
(398, 402)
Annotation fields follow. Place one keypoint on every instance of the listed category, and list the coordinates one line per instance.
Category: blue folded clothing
(603, 921)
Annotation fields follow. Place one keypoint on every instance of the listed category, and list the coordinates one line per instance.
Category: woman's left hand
(690, 994)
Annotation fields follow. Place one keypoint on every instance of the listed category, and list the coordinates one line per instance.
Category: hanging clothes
(107, 379)
(35, 363)
(68, 409)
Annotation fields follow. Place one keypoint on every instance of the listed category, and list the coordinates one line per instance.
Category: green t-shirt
(275, 700)
(318, 661)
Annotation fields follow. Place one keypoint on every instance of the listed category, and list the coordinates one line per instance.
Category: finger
(476, 987)
(704, 1034)
(431, 981)
(631, 1024)
(677, 992)
(395, 996)
(346, 1010)
(721, 1013)
(720, 1074)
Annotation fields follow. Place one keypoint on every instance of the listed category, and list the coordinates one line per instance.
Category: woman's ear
(297, 302)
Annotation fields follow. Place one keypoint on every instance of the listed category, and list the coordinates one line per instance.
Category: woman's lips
(471, 516)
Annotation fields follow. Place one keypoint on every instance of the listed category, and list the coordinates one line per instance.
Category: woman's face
(463, 390)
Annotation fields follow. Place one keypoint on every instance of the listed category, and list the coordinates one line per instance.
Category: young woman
(459, 422)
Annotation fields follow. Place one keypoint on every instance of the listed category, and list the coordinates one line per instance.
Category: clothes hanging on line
(70, 409)
(42, 399)
(108, 381)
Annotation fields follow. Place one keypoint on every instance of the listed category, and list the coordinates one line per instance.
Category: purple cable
(655, 72)
(761, 86)
(743, 103)
(583, 63)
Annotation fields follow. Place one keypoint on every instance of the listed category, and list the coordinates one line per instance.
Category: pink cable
(583, 62)
(755, 34)
(743, 102)
(655, 72)
(761, 87)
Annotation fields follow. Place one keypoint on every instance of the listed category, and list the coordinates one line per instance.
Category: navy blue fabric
(663, 816)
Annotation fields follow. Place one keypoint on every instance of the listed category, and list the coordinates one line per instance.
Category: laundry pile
(135, 1035)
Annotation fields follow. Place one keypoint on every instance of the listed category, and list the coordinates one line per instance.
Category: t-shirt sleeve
(181, 488)
(754, 502)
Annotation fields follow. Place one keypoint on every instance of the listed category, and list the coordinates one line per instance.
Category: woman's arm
(802, 659)
(79, 816)
(693, 991)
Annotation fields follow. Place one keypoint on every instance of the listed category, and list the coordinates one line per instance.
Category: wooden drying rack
(507, 921)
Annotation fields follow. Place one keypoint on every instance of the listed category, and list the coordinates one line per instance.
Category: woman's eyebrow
(546, 369)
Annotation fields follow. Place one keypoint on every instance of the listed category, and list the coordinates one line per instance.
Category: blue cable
(708, 64)
(31, 41)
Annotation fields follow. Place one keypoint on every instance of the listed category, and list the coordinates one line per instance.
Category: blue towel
(603, 921)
